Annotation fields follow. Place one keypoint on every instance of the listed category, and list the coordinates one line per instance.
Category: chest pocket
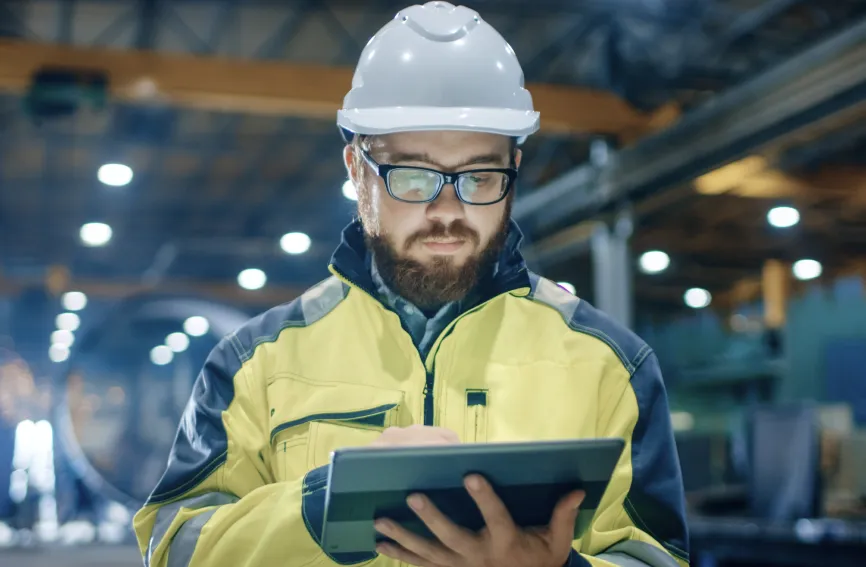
(309, 420)
(475, 418)
(540, 401)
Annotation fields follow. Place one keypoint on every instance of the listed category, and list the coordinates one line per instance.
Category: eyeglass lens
(418, 185)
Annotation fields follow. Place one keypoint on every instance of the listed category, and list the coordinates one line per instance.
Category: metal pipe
(809, 87)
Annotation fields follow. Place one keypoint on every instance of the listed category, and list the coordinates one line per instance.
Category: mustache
(455, 230)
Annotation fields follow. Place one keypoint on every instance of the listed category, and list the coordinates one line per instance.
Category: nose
(447, 207)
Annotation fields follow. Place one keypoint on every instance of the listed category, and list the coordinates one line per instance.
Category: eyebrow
(401, 157)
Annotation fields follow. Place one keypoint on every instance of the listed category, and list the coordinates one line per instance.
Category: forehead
(445, 147)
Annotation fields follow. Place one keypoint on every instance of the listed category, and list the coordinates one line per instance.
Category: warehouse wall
(825, 334)
(825, 351)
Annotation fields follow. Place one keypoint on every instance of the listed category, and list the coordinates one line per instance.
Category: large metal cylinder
(117, 410)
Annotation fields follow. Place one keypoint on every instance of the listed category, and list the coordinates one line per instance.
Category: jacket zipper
(429, 364)
(475, 416)
(428, 385)
(428, 399)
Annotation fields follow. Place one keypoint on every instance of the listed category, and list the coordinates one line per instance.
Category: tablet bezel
(372, 470)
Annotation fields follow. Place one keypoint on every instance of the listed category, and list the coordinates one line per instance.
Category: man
(431, 330)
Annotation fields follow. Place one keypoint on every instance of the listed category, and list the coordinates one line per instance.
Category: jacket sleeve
(641, 518)
(217, 503)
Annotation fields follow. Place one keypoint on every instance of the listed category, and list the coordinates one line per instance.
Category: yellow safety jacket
(246, 479)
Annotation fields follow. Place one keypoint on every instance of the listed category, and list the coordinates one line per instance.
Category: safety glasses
(423, 185)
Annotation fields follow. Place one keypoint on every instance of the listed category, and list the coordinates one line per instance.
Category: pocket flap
(295, 401)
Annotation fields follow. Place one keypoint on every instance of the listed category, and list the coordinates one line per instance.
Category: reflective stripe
(321, 299)
(166, 514)
(183, 544)
(305, 310)
(549, 293)
(638, 554)
(621, 560)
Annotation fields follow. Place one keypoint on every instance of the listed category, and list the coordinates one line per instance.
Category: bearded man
(430, 330)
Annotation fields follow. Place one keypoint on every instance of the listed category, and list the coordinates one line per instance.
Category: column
(612, 269)
(774, 288)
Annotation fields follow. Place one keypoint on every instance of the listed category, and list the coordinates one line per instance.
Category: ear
(518, 155)
(349, 162)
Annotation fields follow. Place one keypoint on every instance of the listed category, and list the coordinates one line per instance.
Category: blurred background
(169, 168)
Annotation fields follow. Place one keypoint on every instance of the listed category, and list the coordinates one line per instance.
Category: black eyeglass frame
(445, 178)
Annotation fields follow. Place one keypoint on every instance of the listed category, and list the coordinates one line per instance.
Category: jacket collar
(352, 260)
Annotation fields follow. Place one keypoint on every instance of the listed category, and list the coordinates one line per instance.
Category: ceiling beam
(827, 78)
(738, 194)
(282, 88)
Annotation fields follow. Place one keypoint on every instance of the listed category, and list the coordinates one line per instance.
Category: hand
(500, 544)
(416, 435)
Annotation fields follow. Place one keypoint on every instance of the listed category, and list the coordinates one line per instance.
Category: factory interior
(170, 169)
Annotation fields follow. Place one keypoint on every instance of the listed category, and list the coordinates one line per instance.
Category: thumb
(450, 436)
(562, 521)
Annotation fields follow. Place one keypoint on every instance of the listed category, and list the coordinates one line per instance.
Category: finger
(561, 527)
(430, 551)
(387, 437)
(450, 436)
(404, 556)
(450, 534)
(496, 517)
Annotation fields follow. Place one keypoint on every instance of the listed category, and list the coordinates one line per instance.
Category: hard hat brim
(379, 121)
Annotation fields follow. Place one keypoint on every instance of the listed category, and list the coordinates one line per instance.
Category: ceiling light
(252, 279)
(295, 243)
(177, 342)
(196, 326)
(783, 217)
(58, 353)
(349, 190)
(95, 234)
(73, 301)
(567, 286)
(682, 421)
(807, 269)
(68, 322)
(654, 261)
(161, 355)
(62, 337)
(115, 174)
(697, 298)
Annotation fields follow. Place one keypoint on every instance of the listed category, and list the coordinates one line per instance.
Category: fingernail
(415, 502)
(473, 483)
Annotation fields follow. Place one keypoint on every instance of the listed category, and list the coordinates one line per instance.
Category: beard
(442, 280)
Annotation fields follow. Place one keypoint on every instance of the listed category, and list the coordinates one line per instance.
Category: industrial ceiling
(693, 117)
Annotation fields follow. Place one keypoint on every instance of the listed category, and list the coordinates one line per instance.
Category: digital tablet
(368, 483)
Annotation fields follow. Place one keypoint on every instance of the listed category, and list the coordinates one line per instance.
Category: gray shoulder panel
(638, 553)
(547, 292)
(584, 318)
(305, 310)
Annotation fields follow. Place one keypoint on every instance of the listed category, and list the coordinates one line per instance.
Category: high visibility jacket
(246, 479)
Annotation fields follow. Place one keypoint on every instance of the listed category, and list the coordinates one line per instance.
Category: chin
(429, 258)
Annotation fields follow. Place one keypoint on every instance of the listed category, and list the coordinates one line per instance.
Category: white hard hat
(438, 67)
